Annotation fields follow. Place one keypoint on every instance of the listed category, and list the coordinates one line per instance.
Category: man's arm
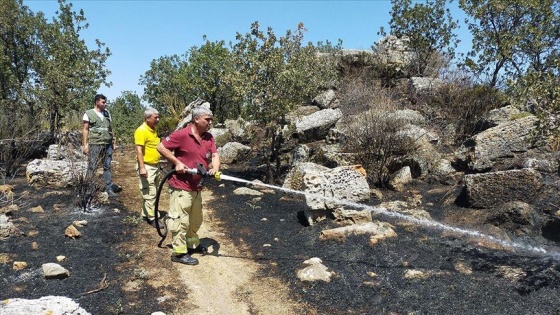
(85, 133)
(140, 158)
(167, 154)
(215, 164)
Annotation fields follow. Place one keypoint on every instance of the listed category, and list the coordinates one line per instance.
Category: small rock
(35, 246)
(81, 223)
(72, 232)
(60, 258)
(37, 209)
(55, 271)
(315, 271)
(19, 265)
(415, 274)
(6, 258)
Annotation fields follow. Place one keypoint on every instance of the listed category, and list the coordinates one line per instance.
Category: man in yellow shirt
(146, 141)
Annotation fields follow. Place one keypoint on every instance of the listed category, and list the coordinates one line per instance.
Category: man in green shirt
(97, 141)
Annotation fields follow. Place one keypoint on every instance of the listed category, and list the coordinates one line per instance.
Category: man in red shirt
(185, 149)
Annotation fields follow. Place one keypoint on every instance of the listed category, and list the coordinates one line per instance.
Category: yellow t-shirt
(148, 139)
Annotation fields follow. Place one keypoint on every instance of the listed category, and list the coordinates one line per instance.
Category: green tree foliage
(46, 73)
(429, 27)
(69, 72)
(516, 46)
(172, 82)
(541, 91)
(18, 36)
(162, 86)
(512, 37)
(271, 77)
(46, 69)
(127, 113)
(204, 76)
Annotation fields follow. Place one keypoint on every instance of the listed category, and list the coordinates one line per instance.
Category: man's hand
(181, 168)
(85, 149)
(143, 172)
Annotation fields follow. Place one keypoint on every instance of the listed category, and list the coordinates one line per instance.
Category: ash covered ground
(461, 278)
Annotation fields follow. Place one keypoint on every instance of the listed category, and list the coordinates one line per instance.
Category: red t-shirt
(190, 152)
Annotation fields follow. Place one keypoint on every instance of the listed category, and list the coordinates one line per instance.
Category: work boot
(184, 259)
(111, 193)
(116, 188)
(200, 249)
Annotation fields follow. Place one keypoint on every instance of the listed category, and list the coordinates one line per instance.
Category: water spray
(377, 210)
(408, 218)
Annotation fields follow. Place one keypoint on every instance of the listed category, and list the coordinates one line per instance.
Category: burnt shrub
(457, 106)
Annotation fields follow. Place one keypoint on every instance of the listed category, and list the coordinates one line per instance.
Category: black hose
(158, 193)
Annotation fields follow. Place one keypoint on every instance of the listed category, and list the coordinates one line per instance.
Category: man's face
(152, 120)
(204, 122)
(101, 104)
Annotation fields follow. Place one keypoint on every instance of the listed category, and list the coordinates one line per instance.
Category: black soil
(96, 260)
(277, 220)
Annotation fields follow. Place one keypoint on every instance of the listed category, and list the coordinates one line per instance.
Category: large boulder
(492, 189)
(54, 173)
(317, 125)
(240, 130)
(233, 152)
(424, 86)
(44, 305)
(326, 99)
(517, 217)
(327, 190)
(493, 145)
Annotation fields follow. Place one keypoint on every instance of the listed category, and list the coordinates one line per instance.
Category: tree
(46, 69)
(271, 77)
(68, 72)
(127, 113)
(163, 89)
(18, 49)
(429, 27)
(512, 37)
(174, 81)
(46, 72)
(204, 76)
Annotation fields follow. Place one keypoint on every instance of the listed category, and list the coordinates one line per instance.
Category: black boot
(184, 259)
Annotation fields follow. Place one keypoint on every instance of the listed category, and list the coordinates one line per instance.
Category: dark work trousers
(101, 154)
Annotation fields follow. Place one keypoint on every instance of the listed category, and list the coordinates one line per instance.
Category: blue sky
(139, 31)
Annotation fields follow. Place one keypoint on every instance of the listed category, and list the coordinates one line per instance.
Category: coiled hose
(162, 234)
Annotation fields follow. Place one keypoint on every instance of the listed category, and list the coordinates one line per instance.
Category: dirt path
(224, 284)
